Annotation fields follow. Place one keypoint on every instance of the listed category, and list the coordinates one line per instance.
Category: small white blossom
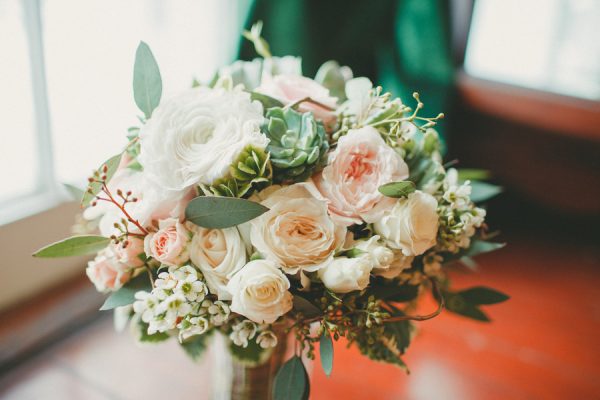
(242, 332)
(145, 305)
(192, 326)
(266, 339)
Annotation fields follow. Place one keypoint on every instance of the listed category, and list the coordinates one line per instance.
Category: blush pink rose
(361, 162)
(129, 255)
(106, 272)
(170, 244)
(290, 88)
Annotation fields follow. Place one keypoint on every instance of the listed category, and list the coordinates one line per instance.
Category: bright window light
(549, 45)
(18, 151)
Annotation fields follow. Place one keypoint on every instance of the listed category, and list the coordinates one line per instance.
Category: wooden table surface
(543, 344)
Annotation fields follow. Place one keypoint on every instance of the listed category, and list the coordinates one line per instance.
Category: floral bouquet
(267, 205)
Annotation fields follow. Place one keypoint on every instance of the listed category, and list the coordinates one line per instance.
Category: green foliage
(291, 381)
(400, 331)
(397, 189)
(298, 144)
(326, 352)
(483, 295)
(251, 170)
(222, 212)
(73, 246)
(196, 345)
(144, 337)
(305, 307)
(330, 75)
(250, 355)
(470, 174)
(147, 83)
(267, 101)
(482, 191)
(94, 187)
(481, 246)
(126, 295)
(391, 291)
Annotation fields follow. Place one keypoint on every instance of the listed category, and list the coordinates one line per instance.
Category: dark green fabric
(402, 45)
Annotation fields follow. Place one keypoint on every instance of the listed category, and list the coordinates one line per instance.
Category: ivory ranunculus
(219, 253)
(361, 162)
(296, 233)
(106, 272)
(412, 225)
(170, 244)
(194, 137)
(343, 275)
(289, 88)
(260, 292)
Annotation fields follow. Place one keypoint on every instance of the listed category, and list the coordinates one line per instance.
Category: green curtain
(403, 45)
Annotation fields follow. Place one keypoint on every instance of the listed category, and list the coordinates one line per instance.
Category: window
(67, 96)
(550, 45)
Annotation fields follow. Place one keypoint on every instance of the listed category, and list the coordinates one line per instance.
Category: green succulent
(298, 144)
(251, 170)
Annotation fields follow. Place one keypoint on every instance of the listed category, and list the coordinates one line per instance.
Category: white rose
(297, 232)
(219, 253)
(412, 225)
(194, 137)
(343, 275)
(260, 292)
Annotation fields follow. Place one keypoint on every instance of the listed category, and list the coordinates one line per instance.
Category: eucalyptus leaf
(326, 353)
(457, 304)
(480, 247)
(222, 212)
(482, 295)
(196, 345)
(73, 246)
(482, 191)
(267, 101)
(291, 381)
(397, 189)
(126, 295)
(94, 188)
(147, 83)
(304, 306)
(471, 174)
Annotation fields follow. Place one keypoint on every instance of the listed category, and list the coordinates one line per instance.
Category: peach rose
(106, 272)
(170, 244)
(296, 233)
(289, 88)
(129, 255)
(360, 164)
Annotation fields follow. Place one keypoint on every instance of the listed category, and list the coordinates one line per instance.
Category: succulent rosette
(269, 199)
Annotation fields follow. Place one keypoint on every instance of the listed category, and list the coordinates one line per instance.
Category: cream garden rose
(289, 88)
(194, 137)
(219, 253)
(106, 272)
(170, 244)
(297, 232)
(260, 292)
(361, 162)
(412, 225)
(343, 275)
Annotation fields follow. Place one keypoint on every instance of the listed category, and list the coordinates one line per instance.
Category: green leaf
(481, 191)
(94, 188)
(457, 304)
(399, 330)
(196, 345)
(267, 101)
(147, 83)
(470, 174)
(480, 247)
(126, 295)
(74, 246)
(144, 337)
(304, 306)
(222, 212)
(250, 355)
(75, 192)
(395, 293)
(291, 381)
(397, 189)
(326, 352)
(482, 295)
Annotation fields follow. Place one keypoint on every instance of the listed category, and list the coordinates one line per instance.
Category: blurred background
(518, 80)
